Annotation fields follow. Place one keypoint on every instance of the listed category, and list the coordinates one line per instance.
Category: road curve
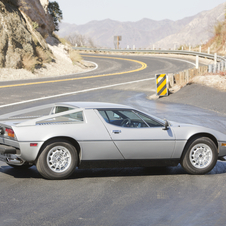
(111, 70)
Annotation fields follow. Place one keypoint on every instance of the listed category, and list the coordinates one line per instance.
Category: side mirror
(166, 125)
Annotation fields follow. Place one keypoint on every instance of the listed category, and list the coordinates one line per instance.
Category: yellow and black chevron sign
(161, 85)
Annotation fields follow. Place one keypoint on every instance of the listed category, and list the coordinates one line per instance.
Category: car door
(138, 136)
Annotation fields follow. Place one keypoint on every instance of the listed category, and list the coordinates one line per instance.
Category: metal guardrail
(220, 66)
(181, 52)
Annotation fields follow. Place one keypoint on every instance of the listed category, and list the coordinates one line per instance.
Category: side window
(123, 118)
(104, 115)
(114, 115)
(74, 117)
(149, 121)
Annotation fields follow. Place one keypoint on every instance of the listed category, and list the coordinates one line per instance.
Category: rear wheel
(58, 160)
(200, 156)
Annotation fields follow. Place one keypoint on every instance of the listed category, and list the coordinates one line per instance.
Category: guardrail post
(215, 58)
(127, 46)
(222, 65)
(189, 48)
(208, 50)
(218, 67)
(153, 47)
(197, 62)
(200, 49)
(214, 68)
(134, 47)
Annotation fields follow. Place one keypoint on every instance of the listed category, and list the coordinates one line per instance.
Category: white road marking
(76, 92)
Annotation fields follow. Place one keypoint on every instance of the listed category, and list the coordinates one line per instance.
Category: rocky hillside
(196, 32)
(23, 26)
(218, 42)
(146, 32)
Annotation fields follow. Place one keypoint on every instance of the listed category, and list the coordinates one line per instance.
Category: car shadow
(220, 168)
(32, 172)
(20, 173)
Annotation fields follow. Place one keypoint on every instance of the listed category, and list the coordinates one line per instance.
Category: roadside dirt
(62, 66)
(215, 81)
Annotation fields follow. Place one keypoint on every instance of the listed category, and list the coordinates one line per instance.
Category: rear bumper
(5, 149)
(9, 154)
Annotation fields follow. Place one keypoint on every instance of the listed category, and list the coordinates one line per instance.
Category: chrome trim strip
(131, 140)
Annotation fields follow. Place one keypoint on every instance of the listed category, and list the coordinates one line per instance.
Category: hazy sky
(83, 11)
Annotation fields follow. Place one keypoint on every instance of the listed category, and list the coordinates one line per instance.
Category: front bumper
(222, 149)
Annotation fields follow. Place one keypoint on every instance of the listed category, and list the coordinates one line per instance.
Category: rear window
(70, 118)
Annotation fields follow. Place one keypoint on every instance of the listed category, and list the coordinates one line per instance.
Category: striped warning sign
(161, 85)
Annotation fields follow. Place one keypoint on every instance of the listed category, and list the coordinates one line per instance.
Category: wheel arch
(196, 136)
(69, 139)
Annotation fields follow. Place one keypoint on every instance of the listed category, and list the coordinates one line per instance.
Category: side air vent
(52, 123)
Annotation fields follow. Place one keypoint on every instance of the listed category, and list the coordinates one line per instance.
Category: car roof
(93, 105)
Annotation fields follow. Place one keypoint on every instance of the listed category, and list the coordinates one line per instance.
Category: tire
(57, 160)
(22, 167)
(200, 156)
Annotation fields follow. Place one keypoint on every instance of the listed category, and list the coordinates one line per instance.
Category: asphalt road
(131, 196)
(23, 90)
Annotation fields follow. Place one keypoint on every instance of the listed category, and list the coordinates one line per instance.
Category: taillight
(10, 132)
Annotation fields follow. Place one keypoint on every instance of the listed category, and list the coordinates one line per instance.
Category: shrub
(75, 56)
(64, 41)
(34, 25)
(29, 62)
(44, 55)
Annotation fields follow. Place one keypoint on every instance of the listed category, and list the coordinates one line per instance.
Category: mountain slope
(198, 31)
(146, 32)
(141, 33)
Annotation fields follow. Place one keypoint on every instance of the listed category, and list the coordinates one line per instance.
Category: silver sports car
(59, 137)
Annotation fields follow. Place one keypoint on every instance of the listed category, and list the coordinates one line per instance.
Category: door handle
(116, 131)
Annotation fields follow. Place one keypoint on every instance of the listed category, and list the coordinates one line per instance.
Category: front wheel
(57, 160)
(200, 156)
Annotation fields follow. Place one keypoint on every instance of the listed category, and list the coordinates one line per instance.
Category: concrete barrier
(183, 77)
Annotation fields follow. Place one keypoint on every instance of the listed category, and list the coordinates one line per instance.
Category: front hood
(184, 131)
(178, 124)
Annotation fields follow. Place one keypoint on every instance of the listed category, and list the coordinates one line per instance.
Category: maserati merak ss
(60, 137)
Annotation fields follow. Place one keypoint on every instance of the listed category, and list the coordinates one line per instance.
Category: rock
(15, 39)
(18, 38)
(45, 4)
(37, 11)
